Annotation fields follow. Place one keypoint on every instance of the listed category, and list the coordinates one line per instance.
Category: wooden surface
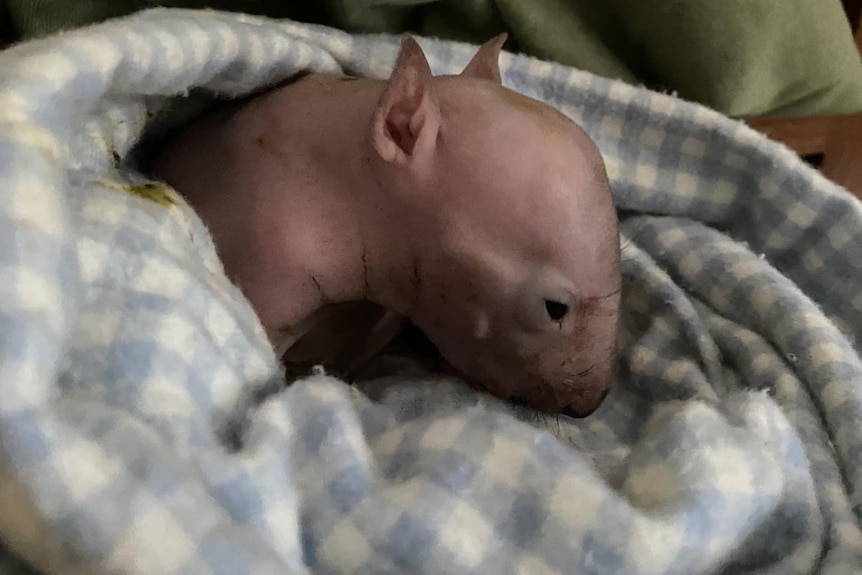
(842, 156)
(835, 140)
(806, 135)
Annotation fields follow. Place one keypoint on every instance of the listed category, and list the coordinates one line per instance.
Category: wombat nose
(584, 406)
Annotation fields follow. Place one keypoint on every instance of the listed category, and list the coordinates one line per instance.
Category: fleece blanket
(144, 426)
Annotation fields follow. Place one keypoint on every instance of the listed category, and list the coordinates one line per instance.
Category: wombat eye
(556, 310)
(546, 304)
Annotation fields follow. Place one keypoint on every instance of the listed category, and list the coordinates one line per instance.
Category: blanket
(742, 58)
(145, 427)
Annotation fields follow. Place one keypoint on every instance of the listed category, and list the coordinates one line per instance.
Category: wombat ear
(407, 119)
(485, 64)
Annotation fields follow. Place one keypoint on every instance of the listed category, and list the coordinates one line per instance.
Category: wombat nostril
(556, 310)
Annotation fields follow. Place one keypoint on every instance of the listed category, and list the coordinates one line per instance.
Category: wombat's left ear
(485, 64)
(407, 118)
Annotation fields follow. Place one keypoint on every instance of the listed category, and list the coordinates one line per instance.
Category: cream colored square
(467, 536)
(646, 175)
(346, 549)
(763, 363)
(105, 208)
(672, 236)
(763, 298)
(35, 203)
(825, 353)
(599, 428)
(142, 47)
(705, 116)
(801, 215)
(86, 469)
(163, 396)
(691, 264)
(652, 137)
(686, 184)
(161, 278)
(100, 51)
(202, 45)
(443, 433)
(620, 92)
(15, 109)
(849, 535)
(406, 494)
(36, 292)
(744, 134)
(786, 383)
(155, 543)
(92, 259)
(653, 546)
(612, 167)
(534, 565)
(388, 442)
(839, 236)
(102, 324)
(172, 51)
(835, 394)
(835, 495)
(731, 472)
(768, 188)
(53, 66)
(273, 412)
(255, 50)
(261, 363)
(176, 334)
(220, 323)
(745, 269)
(574, 113)
(575, 502)
(806, 556)
(651, 486)
(504, 461)
(669, 329)
(663, 104)
(642, 359)
(31, 388)
(282, 521)
(223, 387)
(229, 42)
(693, 147)
(676, 370)
(612, 127)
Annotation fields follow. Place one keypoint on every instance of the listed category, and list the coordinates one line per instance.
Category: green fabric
(741, 57)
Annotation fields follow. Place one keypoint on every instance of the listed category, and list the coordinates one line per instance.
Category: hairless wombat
(482, 215)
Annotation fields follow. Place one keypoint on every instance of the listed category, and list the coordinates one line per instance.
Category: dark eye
(556, 310)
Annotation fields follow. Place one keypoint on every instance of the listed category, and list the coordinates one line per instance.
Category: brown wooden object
(833, 143)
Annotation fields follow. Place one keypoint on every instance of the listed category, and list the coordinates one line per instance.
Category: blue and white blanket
(143, 424)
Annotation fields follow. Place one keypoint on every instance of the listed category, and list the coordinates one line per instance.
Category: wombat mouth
(413, 347)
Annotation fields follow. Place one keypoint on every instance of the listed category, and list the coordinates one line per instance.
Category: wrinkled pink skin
(450, 200)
